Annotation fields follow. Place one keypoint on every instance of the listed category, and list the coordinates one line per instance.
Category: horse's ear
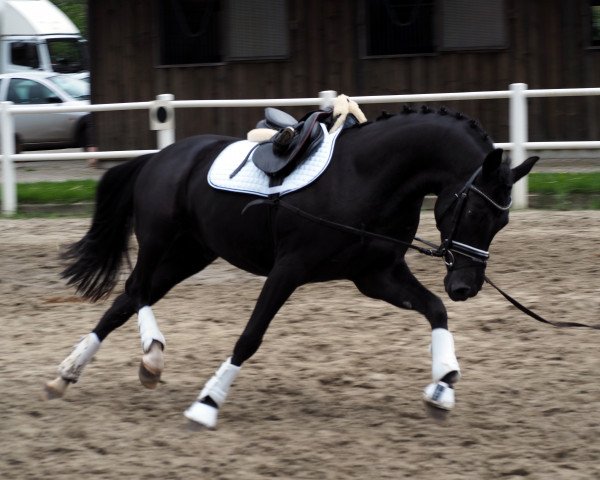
(523, 169)
(492, 162)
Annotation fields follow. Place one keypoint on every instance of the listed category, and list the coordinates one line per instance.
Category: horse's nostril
(461, 292)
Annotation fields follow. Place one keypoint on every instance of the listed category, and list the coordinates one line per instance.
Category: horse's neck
(423, 162)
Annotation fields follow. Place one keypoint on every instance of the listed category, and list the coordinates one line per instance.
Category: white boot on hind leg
(217, 389)
(152, 365)
(153, 343)
(71, 367)
(443, 361)
(149, 331)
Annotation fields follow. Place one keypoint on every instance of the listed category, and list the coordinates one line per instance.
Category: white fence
(162, 119)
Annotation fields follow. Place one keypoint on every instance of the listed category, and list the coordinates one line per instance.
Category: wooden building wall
(548, 47)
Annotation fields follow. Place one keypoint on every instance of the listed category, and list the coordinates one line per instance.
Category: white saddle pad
(252, 180)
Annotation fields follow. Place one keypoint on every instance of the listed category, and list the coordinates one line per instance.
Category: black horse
(355, 222)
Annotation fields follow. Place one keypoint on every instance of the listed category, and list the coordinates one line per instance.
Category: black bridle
(450, 246)
(446, 250)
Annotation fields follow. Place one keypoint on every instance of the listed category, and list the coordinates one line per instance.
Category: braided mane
(443, 111)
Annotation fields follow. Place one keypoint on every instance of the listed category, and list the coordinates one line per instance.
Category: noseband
(450, 246)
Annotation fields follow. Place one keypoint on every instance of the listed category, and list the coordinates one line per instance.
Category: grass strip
(70, 191)
(565, 183)
(77, 191)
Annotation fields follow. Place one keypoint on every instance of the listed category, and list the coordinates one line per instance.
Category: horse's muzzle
(462, 286)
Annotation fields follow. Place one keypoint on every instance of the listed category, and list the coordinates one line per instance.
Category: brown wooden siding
(547, 48)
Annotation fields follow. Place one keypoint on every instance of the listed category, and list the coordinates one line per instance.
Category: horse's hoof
(149, 377)
(202, 414)
(55, 389)
(439, 395)
(152, 365)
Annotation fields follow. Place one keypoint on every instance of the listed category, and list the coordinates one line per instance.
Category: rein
(534, 315)
(276, 201)
(446, 250)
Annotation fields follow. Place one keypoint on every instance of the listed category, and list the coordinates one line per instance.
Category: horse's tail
(93, 263)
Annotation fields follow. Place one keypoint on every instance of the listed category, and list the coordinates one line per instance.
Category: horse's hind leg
(72, 367)
(280, 284)
(157, 237)
(184, 258)
(398, 286)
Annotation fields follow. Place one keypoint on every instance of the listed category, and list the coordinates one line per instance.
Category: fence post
(327, 97)
(162, 119)
(7, 137)
(518, 137)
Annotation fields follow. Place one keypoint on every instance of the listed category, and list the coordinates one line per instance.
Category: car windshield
(76, 88)
(68, 55)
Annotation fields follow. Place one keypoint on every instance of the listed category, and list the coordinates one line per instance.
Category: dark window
(24, 54)
(210, 31)
(257, 29)
(595, 22)
(25, 91)
(67, 55)
(399, 26)
(189, 31)
(469, 25)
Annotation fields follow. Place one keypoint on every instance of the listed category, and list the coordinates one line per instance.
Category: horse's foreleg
(398, 286)
(280, 284)
(205, 409)
(445, 371)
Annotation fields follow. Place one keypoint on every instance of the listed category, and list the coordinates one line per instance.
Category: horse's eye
(475, 215)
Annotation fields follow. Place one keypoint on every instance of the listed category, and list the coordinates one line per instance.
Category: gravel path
(334, 391)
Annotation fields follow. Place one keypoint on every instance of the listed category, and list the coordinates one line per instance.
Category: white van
(37, 35)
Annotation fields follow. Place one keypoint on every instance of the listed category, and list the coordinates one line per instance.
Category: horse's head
(469, 216)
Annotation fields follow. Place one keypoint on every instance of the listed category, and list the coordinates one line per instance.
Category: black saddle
(276, 119)
(279, 162)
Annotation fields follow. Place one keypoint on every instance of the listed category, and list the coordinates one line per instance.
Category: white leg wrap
(71, 367)
(218, 386)
(443, 358)
(440, 395)
(148, 328)
(217, 389)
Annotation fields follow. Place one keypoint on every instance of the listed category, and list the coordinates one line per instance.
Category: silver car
(34, 131)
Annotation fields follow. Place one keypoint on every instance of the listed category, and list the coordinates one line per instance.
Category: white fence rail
(162, 119)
